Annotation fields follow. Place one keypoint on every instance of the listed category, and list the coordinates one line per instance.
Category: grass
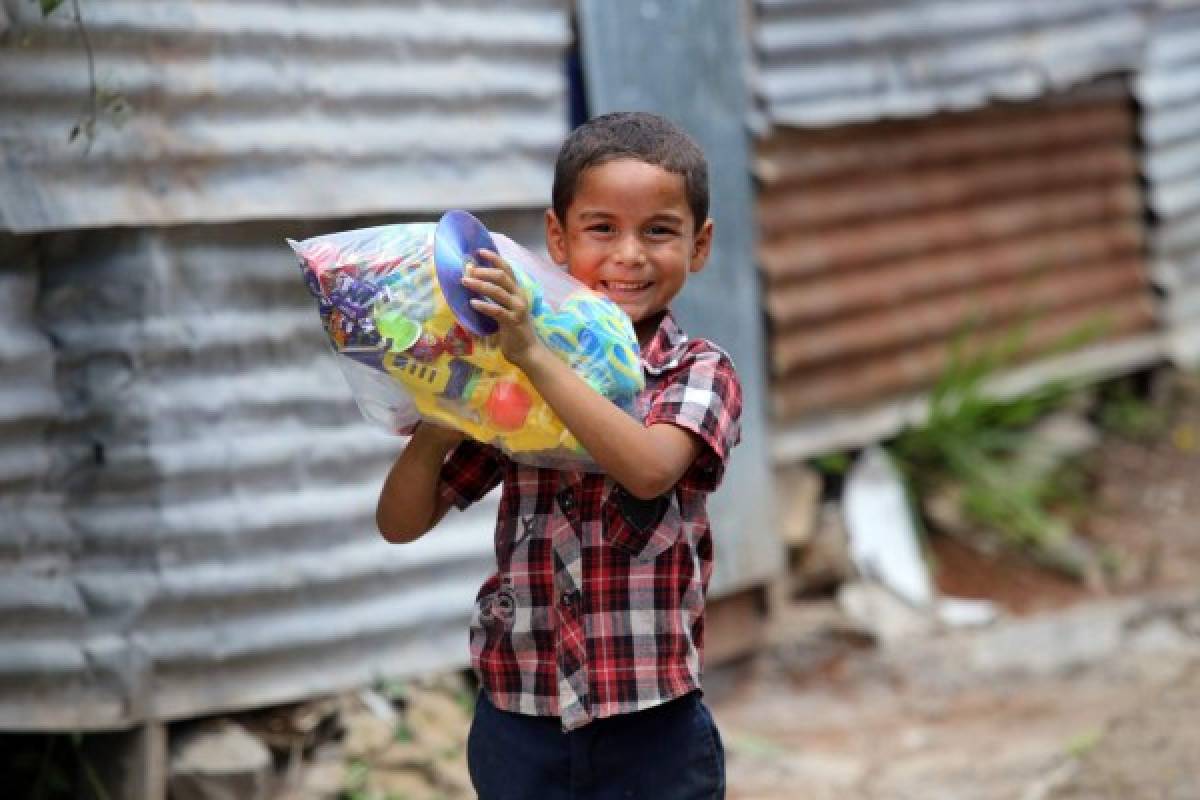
(972, 438)
(1083, 743)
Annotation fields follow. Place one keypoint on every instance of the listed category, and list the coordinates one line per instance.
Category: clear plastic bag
(411, 346)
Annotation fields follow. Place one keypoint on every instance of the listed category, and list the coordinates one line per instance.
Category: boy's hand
(506, 303)
(647, 461)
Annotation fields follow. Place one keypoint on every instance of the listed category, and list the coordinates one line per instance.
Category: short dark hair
(638, 135)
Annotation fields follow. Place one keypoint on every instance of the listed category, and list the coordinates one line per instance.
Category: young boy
(587, 639)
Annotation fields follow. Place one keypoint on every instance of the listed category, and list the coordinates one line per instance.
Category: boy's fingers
(494, 292)
(497, 312)
(487, 284)
(496, 276)
(500, 295)
(499, 263)
(486, 308)
(493, 258)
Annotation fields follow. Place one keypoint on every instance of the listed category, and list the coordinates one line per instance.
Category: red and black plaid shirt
(597, 603)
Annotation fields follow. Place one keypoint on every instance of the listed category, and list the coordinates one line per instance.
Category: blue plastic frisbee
(459, 236)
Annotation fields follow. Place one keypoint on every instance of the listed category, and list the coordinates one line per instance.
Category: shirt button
(569, 598)
(566, 501)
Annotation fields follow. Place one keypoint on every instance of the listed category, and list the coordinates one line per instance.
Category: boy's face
(629, 234)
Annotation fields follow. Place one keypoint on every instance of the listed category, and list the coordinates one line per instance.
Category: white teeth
(626, 286)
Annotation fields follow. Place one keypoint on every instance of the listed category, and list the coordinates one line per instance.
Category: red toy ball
(508, 405)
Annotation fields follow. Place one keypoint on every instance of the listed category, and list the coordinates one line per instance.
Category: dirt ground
(1077, 692)
(1141, 515)
(1091, 702)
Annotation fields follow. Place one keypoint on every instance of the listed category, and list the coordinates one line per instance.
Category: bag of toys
(411, 346)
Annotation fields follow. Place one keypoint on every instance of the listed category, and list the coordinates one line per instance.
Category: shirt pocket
(642, 529)
(495, 604)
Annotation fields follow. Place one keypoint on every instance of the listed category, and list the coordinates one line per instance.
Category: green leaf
(832, 463)
(970, 436)
(49, 6)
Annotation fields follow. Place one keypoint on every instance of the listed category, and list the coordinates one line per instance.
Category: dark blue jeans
(670, 752)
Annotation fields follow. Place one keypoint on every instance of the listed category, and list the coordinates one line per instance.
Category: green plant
(101, 102)
(972, 436)
(834, 464)
(394, 689)
(466, 699)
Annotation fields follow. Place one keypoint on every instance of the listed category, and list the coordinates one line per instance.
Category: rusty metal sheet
(935, 140)
(846, 428)
(905, 280)
(883, 332)
(280, 110)
(800, 253)
(876, 262)
(869, 380)
(884, 193)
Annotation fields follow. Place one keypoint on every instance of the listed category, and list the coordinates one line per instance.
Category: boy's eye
(600, 227)
(661, 230)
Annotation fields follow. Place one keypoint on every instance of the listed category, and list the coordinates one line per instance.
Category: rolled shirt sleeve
(704, 396)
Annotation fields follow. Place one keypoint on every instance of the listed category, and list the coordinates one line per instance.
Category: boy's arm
(646, 460)
(409, 503)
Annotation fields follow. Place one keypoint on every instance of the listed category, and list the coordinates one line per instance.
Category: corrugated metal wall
(210, 541)
(1010, 192)
(253, 110)
(32, 524)
(28, 399)
(829, 62)
(187, 490)
(883, 242)
(1168, 87)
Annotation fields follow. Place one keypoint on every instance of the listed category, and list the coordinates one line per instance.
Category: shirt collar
(666, 347)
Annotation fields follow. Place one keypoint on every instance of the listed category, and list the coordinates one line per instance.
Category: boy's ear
(701, 246)
(556, 238)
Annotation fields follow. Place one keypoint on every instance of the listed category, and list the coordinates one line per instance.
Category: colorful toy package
(412, 347)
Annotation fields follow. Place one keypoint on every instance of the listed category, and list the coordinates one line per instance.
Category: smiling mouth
(621, 287)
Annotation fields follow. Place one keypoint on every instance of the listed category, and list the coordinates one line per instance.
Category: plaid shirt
(597, 604)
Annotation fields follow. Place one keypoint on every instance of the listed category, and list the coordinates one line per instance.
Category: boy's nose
(629, 250)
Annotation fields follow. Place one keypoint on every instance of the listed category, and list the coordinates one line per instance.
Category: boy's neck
(647, 327)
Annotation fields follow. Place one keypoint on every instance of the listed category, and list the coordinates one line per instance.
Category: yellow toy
(467, 384)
